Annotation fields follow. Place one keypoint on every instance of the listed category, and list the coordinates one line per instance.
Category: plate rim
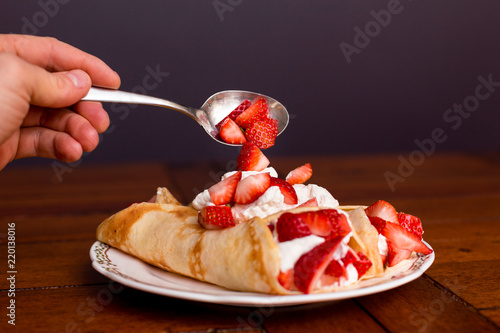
(237, 298)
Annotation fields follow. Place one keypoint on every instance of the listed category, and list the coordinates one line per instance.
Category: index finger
(55, 56)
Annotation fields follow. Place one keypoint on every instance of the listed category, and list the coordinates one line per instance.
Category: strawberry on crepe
(390, 237)
(259, 190)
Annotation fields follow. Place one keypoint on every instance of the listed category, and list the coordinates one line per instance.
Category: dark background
(394, 91)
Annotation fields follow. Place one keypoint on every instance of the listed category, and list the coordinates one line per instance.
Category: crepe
(244, 257)
(167, 235)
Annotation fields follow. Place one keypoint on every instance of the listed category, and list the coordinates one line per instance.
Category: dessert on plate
(254, 231)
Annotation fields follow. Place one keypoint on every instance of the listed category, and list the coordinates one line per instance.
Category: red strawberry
(230, 132)
(289, 227)
(223, 192)
(251, 158)
(310, 267)
(378, 223)
(299, 175)
(382, 209)
(257, 111)
(263, 132)
(286, 279)
(318, 222)
(216, 217)
(251, 188)
(235, 113)
(309, 203)
(396, 255)
(362, 265)
(327, 223)
(335, 268)
(411, 223)
(403, 239)
(286, 189)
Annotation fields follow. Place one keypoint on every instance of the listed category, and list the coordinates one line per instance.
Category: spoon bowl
(216, 107)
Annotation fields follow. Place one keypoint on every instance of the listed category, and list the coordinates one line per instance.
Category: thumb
(59, 89)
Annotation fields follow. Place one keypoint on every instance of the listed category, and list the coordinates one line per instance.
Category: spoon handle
(117, 96)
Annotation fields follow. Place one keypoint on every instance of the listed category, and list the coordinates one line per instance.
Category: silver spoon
(208, 115)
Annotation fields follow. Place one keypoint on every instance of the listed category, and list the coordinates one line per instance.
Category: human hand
(42, 81)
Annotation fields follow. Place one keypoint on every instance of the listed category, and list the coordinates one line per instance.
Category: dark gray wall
(347, 92)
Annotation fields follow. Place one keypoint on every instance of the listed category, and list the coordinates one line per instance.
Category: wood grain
(456, 195)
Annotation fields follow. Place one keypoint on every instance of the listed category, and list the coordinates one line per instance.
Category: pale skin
(42, 81)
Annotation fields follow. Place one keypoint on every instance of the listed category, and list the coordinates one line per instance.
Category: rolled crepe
(244, 257)
(167, 235)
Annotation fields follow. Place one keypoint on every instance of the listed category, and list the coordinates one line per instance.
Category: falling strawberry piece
(251, 188)
(309, 203)
(299, 175)
(257, 111)
(310, 267)
(251, 158)
(230, 132)
(289, 226)
(235, 113)
(411, 223)
(216, 217)
(223, 192)
(262, 132)
(286, 189)
(382, 209)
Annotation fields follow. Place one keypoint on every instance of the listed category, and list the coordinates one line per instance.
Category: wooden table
(54, 216)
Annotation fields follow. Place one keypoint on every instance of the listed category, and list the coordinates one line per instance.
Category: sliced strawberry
(328, 223)
(382, 209)
(216, 217)
(251, 158)
(318, 222)
(310, 267)
(230, 132)
(299, 175)
(289, 226)
(223, 192)
(403, 239)
(396, 255)
(257, 111)
(411, 223)
(235, 113)
(378, 223)
(362, 265)
(251, 188)
(286, 189)
(286, 279)
(309, 203)
(263, 132)
(335, 268)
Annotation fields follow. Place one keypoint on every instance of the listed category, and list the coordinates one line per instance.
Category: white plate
(134, 273)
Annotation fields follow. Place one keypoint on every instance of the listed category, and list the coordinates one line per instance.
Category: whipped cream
(382, 245)
(292, 250)
(272, 201)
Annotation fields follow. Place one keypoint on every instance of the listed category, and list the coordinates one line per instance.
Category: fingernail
(79, 78)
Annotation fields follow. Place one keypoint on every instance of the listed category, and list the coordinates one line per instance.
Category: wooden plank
(476, 282)
(87, 189)
(340, 316)
(53, 264)
(420, 306)
(53, 228)
(111, 307)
